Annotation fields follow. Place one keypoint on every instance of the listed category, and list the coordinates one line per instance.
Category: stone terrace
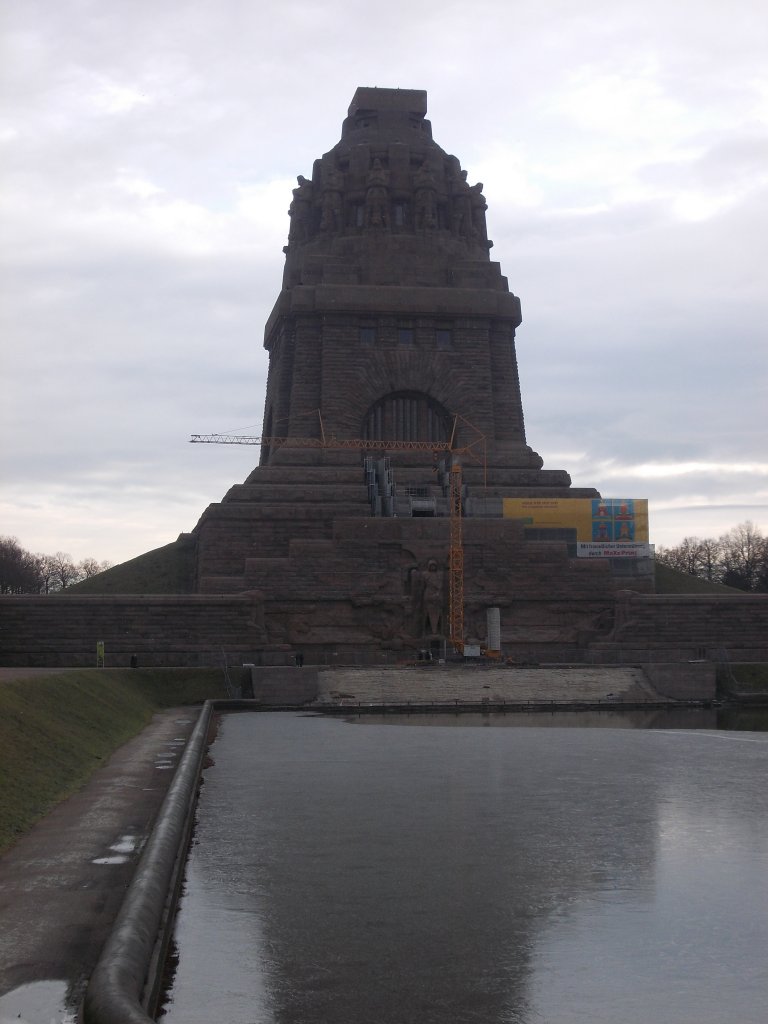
(442, 684)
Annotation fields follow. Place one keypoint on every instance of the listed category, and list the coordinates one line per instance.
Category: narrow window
(367, 335)
(399, 214)
(405, 335)
(443, 336)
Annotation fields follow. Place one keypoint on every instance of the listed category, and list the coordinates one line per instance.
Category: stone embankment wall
(63, 630)
(203, 629)
(685, 627)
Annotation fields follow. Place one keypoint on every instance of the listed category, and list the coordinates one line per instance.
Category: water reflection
(614, 718)
(474, 874)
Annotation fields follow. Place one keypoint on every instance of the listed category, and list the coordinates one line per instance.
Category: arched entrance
(406, 416)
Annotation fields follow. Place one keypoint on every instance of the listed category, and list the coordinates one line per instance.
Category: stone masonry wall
(362, 619)
(63, 629)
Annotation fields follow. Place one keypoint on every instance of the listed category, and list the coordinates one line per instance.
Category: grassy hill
(56, 730)
(166, 570)
(672, 581)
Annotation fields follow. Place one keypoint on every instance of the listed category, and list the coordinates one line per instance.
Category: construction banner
(606, 523)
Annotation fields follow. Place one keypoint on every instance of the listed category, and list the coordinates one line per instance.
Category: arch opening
(406, 416)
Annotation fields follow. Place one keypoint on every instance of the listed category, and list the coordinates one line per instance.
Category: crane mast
(456, 562)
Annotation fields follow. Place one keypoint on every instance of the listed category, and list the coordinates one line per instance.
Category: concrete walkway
(62, 884)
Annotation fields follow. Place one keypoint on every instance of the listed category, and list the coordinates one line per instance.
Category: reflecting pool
(477, 869)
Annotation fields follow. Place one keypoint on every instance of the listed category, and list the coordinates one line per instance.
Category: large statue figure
(479, 206)
(300, 211)
(427, 587)
(377, 197)
(461, 215)
(425, 209)
(434, 597)
(330, 216)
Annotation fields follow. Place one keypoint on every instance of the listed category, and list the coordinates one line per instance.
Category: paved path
(62, 884)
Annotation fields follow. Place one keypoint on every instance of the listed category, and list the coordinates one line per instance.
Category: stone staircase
(444, 684)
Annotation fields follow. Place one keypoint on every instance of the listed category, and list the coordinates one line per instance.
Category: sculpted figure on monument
(300, 211)
(257, 623)
(330, 217)
(461, 213)
(377, 197)
(479, 206)
(424, 198)
(434, 597)
(427, 588)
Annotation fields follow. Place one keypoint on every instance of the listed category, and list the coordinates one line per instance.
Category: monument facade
(392, 339)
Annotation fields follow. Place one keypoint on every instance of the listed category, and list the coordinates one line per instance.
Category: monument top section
(376, 110)
(386, 206)
(374, 100)
(398, 113)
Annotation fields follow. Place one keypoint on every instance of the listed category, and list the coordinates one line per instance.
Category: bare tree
(22, 572)
(46, 573)
(743, 555)
(64, 571)
(90, 567)
(711, 559)
(692, 556)
(18, 568)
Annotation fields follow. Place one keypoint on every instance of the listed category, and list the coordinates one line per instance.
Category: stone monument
(393, 325)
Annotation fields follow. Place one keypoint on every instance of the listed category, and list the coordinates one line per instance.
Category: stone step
(299, 491)
(447, 684)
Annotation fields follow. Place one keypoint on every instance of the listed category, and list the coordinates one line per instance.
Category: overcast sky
(148, 155)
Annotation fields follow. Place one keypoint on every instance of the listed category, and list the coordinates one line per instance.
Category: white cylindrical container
(493, 619)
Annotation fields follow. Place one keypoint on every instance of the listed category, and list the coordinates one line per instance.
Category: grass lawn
(55, 730)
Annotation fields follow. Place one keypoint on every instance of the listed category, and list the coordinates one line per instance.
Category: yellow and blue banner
(605, 527)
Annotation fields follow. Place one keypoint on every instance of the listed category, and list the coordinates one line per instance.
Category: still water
(476, 869)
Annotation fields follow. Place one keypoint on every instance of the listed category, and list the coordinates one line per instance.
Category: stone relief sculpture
(379, 608)
(300, 211)
(257, 626)
(461, 211)
(377, 197)
(331, 203)
(434, 598)
(427, 591)
(465, 213)
(424, 201)
(478, 206)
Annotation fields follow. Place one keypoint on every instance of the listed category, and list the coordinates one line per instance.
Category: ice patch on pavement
(121, 851)
(40, 1002)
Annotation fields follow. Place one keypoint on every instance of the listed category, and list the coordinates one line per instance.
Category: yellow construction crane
(455, 562)
(456, 545)
(348, 443)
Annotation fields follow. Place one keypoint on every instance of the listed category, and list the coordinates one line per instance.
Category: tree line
(22, 572)
(738, 559)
